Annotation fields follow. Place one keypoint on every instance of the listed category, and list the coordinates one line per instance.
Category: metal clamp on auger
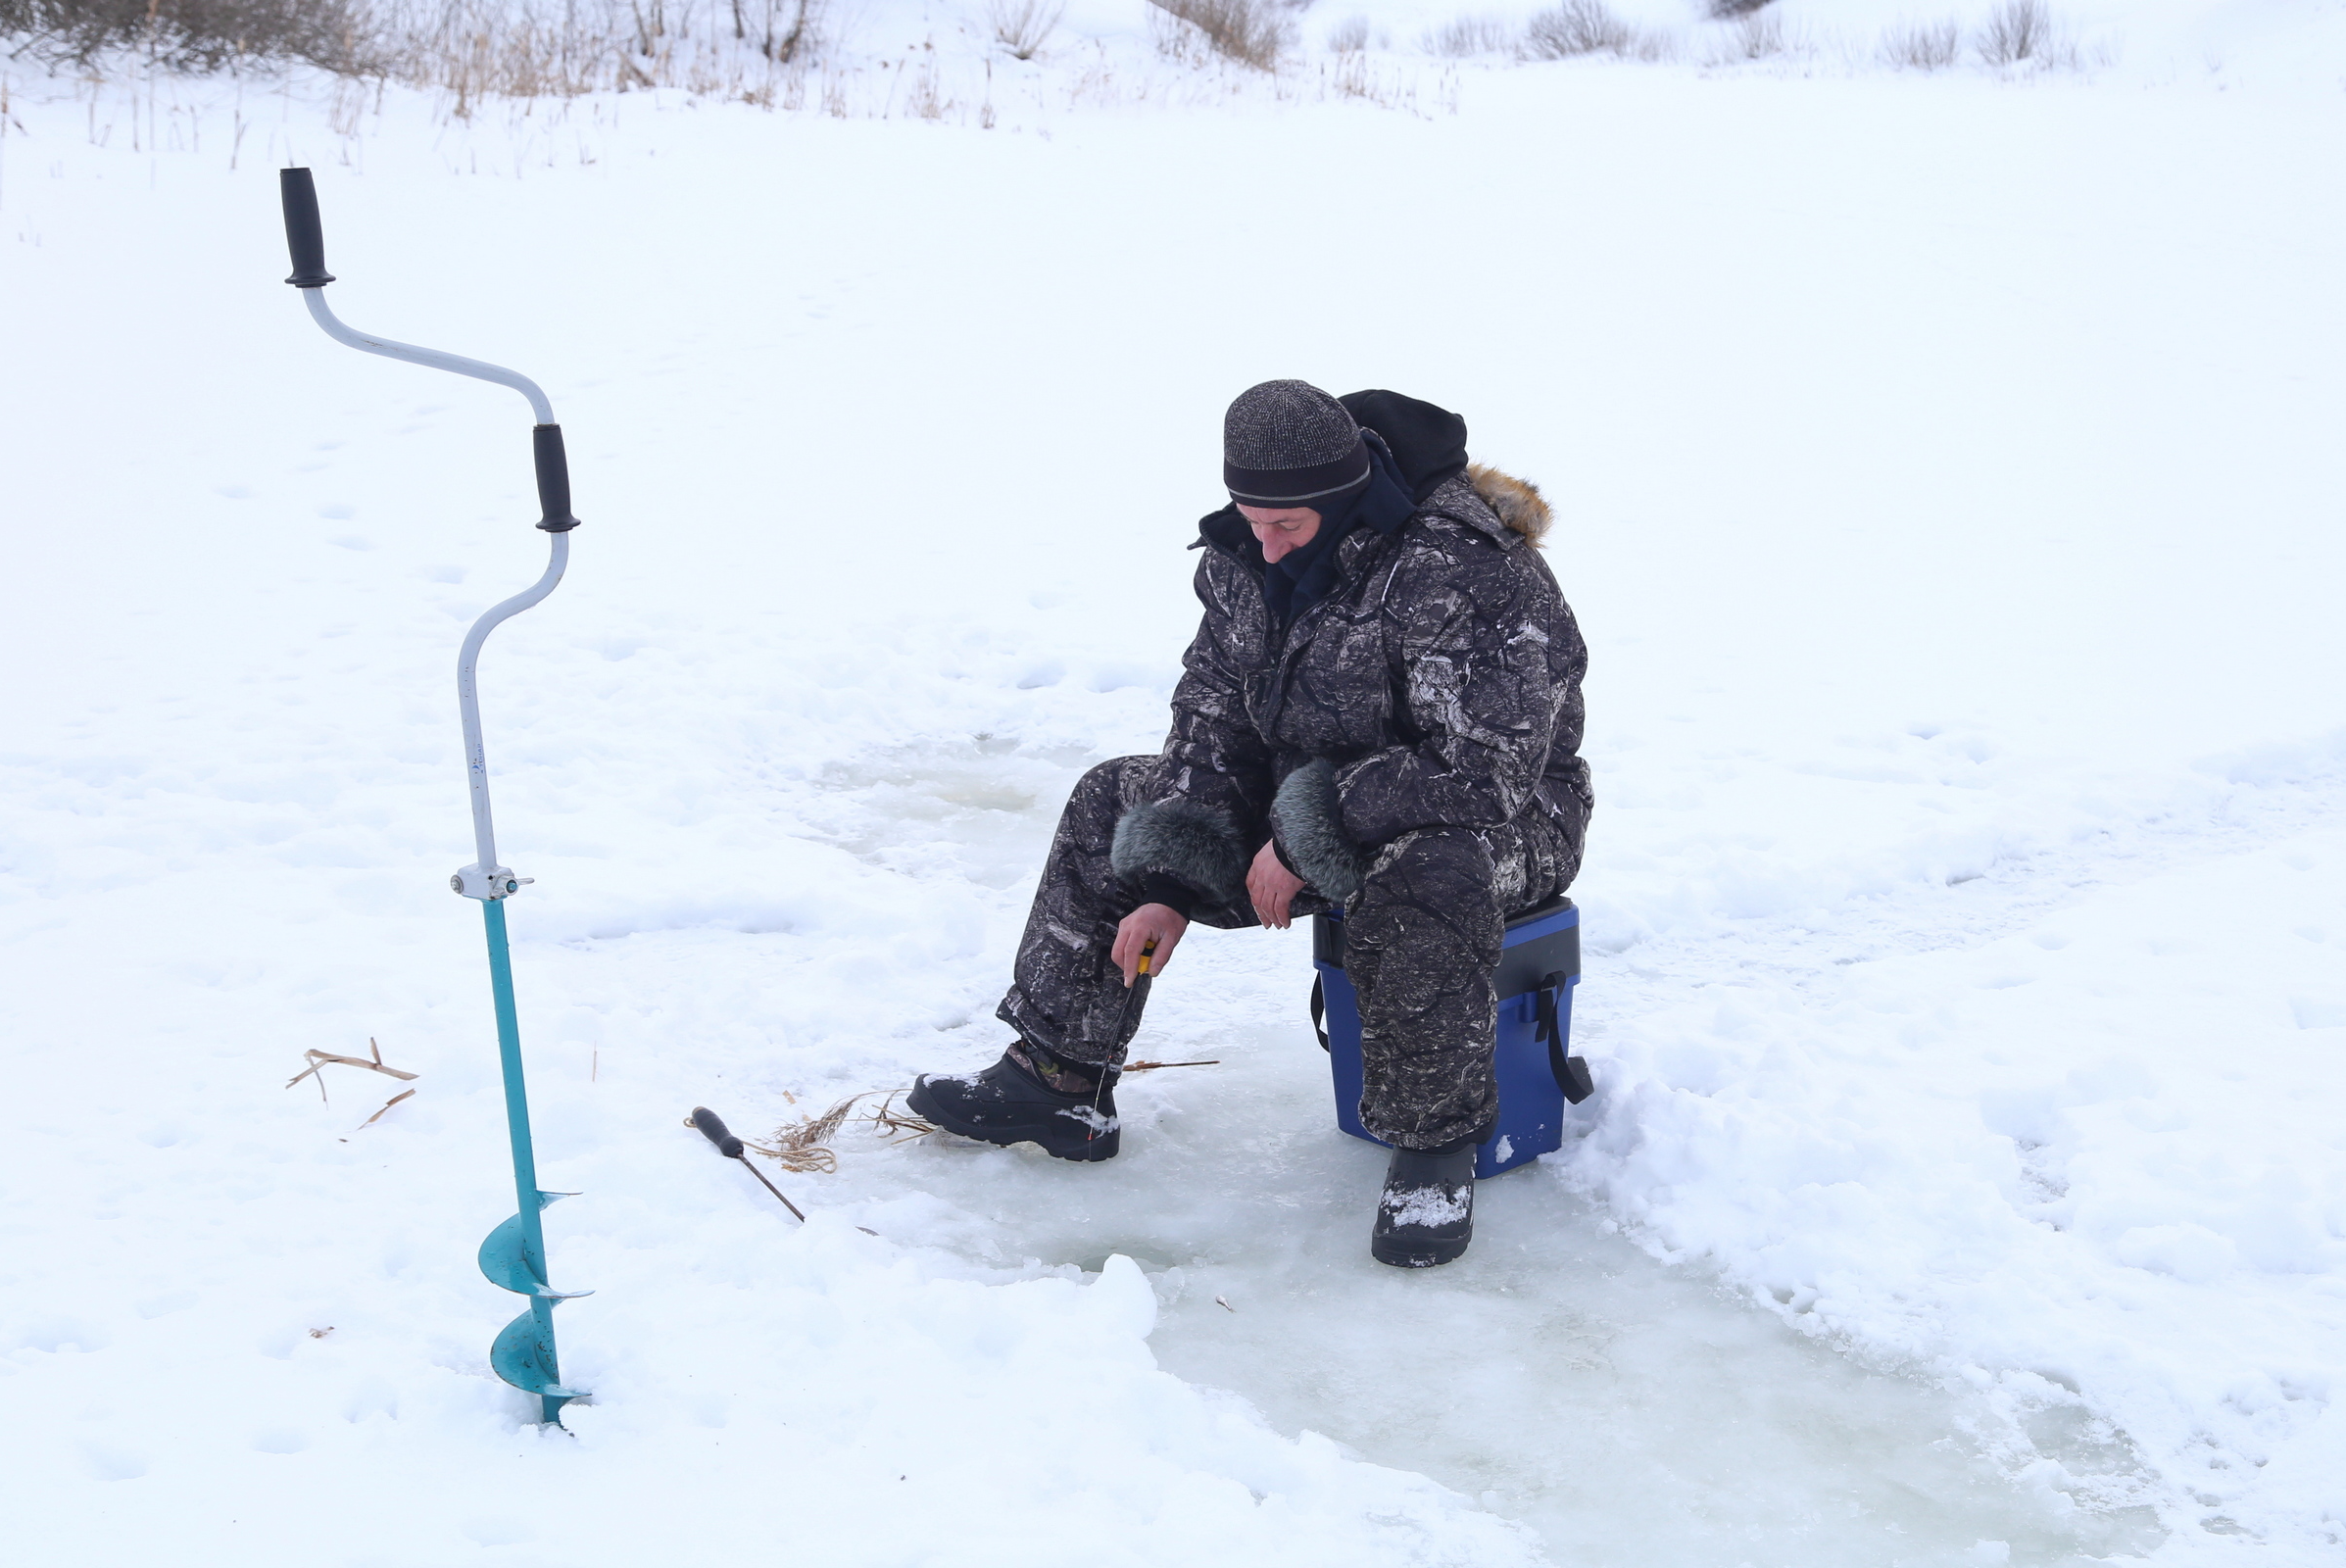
(497, 882)
(514, 1256)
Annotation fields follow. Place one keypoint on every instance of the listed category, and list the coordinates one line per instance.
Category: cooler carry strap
(1572, 1072)
(1319, 1013)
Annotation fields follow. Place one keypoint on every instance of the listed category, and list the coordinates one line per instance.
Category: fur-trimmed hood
(1429, 444)
(1517, 502)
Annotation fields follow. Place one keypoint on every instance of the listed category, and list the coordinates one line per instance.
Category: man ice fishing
(1381, 713)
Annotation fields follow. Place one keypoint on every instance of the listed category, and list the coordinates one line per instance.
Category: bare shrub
(1024, 26)
(2017, 32)
(195, 34)
(925, 99)
(1350, 36)
(782, 30)
(1462, 37)
(1921, 45)
(1577, 27)
(1729, 10)
(1253, 33)
(1754, 37)
(1653, 45)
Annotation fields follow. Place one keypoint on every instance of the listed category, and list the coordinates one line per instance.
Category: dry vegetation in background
(1923, 45)
(471, 48)
(1591, 27)
(1253, 33)
(787, 53)
(2018, 31)
(1463, 37)
(194, 35)
(1024, 26)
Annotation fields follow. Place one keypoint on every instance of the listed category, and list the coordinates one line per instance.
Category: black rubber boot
(1426, 1214)
(1008, 1104)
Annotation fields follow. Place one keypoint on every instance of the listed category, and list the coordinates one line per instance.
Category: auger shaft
(528, 1201)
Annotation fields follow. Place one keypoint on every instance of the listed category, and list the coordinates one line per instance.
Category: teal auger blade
(505, 1257)
(523, 1355)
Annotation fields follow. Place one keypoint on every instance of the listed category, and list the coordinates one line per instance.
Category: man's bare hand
(1150, 922)
(1272, 887)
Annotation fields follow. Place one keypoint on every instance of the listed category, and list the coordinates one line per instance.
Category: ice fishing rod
(514, 1254)
(712, 1127)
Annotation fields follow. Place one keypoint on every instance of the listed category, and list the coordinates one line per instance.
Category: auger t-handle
(514, 1254)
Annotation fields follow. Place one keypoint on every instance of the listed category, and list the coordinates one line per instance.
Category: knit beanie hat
(1289, 444)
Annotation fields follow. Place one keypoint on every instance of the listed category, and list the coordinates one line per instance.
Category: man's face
(1281, 531)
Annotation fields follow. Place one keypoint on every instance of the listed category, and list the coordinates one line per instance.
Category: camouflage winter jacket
(1437, 685)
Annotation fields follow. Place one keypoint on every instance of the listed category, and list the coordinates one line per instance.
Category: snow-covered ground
(1948, 476)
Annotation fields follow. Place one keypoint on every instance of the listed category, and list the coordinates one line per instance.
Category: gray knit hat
(1289, 444)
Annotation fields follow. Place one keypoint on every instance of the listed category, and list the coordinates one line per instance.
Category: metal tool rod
(479, 370)
(770, 1187)
(476, 766)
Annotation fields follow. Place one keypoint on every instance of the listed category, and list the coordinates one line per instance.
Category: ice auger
(514, 1254)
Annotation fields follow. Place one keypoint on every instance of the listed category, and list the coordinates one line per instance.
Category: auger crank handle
(554, 478)
(303, 235)
(712, 1128)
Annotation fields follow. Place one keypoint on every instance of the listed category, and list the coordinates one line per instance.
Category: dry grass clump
(2019, 30)
(1577, 27)
(1753, 37)
(1921, 45)
(564, 48)
(1253, 33)
(1588, 28)
(1024, 26)
(1350, 36)
(805, 1146)
(471, 49)
(1463, 37)
(195, 34)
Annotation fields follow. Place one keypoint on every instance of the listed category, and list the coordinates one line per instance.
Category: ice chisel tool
(514, 1254)
(712, 1127)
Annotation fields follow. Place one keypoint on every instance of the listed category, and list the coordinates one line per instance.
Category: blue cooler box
(1537, 1070)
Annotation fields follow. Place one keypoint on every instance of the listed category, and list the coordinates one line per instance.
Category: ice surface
(1949, 497)
(1633, 1413)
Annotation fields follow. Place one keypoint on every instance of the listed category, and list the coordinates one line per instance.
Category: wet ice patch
(1631, 1413)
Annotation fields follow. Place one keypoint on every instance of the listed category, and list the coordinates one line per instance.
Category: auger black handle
(554, 479)
(303, 235)
(712, 1128)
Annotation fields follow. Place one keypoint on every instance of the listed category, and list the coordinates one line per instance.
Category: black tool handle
(554, 478)
(303, 235)
(712, 1128)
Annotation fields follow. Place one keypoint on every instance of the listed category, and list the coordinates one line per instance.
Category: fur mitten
(1307, 819)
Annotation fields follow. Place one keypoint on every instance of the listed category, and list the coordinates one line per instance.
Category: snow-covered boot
(1029, 1097)
(1426, 1214)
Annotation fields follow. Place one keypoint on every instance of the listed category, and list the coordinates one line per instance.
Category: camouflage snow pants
(1421, 941)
